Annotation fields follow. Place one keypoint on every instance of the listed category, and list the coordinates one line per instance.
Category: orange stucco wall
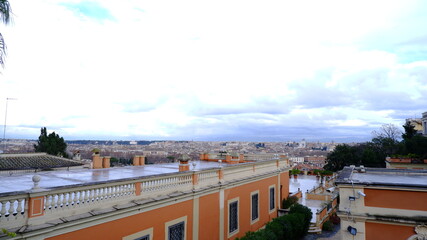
(379, 231)
(244, 194)
(284, 182)
(209, 216)
(410, 200)
(130, 225)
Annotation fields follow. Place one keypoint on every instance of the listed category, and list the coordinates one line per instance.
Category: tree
(5, 12)
(409, 131)
(51, 144)
(388, 131)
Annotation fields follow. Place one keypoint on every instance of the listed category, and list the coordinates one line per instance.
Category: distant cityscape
(160, 150)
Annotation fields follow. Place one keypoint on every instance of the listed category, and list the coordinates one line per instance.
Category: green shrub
(326, 172)
(287, 203)
(328, 226)
(288, 227)
(306, 212)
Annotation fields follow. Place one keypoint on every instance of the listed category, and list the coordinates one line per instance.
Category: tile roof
(34, 161)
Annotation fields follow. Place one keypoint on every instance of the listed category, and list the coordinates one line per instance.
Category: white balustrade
(12, 210)
(74, 200)
(165, 185)
(208, 178)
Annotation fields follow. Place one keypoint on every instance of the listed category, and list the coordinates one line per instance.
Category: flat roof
(383, 176)
(22, 182)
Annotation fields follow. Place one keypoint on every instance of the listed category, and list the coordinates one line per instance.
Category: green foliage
(295, 171)
(326, 173)
(287, 203)
(410, 131)
(328, 226)
(306, 215)
(52, 144)
(10, 234)
(288, 227)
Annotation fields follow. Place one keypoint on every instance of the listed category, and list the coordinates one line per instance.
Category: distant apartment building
(406, 163)
(188, 200)
(316, 161)
(296, 160)
(378, 204)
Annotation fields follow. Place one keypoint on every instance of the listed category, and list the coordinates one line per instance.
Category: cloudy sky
(244, 70)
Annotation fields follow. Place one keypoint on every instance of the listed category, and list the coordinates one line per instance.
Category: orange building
(382, 203)
(186, 200)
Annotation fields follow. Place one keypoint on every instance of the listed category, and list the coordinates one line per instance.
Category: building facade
(382, 203)
(186, 200)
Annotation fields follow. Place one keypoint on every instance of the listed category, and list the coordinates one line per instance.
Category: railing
(168, 184)
(208, 178)
(13, 209)
(43, 205)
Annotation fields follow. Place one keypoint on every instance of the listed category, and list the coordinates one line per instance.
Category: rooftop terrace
(383, 177)
(62, 178)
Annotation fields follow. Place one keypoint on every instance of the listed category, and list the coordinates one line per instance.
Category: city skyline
(223, 71)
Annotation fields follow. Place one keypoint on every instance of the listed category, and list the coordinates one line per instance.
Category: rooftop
(34, 161)
(383, 177)
(62, 178)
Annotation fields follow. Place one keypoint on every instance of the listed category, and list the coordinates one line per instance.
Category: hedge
(288, 227)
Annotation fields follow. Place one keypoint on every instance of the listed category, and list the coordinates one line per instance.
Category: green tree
(5, 17)
(51, 144)
(409, 131)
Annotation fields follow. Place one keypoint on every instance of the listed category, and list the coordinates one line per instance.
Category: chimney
(136, 160)
(96, 161)
(106, 162)
(142, 160)
(183, 163)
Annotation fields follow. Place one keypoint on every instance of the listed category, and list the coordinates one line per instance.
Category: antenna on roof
(4, 126)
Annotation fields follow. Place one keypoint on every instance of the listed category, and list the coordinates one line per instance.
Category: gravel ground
(332, 235)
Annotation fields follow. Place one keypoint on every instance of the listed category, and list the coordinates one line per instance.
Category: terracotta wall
(409, 200)
(380, 231)
(244, 194)
(130, 225)
(209, 216)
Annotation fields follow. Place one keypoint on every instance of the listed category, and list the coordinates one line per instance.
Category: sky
(234, 70)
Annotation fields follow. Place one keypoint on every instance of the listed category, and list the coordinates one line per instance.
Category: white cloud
(188, 69)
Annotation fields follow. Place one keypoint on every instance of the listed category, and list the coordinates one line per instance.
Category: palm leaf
(5, 11)
(2, 50)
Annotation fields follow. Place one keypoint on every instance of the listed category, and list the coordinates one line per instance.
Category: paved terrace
(54, 179)
(383, 177)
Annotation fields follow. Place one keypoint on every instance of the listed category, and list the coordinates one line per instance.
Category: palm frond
(2, 50)
(5, 11)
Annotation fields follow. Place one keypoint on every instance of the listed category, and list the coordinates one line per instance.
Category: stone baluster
(11, 207)
(91, 195)
(75, 198)
(86, 199)
(81, 197)
(3, 208)
(19, 208)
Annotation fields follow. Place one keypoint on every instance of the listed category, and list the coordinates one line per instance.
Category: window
(146, 234)
(272, 198)
(233, 217)
(176, 231)
(146, 237)
(254, 206)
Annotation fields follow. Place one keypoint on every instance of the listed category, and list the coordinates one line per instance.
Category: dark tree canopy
(51, 144)
(384, 144)
(409, 131)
